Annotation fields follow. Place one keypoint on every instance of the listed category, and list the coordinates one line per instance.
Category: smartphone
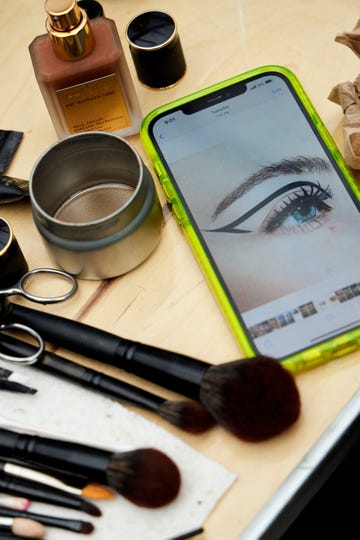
(270, 209)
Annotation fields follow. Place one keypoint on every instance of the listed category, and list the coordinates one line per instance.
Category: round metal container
(95, 205)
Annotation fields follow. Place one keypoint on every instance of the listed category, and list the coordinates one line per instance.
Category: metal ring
(24, 360)
(47, 299)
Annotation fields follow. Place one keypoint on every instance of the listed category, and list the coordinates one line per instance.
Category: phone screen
(277, 221)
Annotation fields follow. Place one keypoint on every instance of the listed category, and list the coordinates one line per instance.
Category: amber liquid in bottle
(82, 73)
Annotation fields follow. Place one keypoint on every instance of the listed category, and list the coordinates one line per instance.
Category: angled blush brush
(73, 525)
(145, 476)
(188, 415)
(255, 398)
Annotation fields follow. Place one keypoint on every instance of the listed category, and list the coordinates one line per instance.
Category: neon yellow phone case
(311, 357)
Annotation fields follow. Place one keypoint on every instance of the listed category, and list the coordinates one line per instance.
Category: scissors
(21, 288)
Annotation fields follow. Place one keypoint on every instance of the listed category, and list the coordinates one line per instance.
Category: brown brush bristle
(146, 477)
(254, 398)
(86, 527)
(188, 415)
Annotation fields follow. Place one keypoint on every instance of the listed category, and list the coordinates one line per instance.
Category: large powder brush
(254, 398)
(146, 476)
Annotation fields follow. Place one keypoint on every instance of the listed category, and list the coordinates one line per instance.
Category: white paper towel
(66, 410)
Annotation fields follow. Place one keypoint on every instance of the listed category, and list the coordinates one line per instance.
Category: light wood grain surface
(166, 302)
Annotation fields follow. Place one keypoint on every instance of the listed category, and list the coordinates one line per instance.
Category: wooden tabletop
(166, 301)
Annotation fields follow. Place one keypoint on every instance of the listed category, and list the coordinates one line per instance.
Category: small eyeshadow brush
(39, 492)
(254, 398)
(27, 528)
(188, 415)
(73, 525)
(146, 476)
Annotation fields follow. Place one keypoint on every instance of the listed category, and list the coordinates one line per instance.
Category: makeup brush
(20, 526)
(24, 471)
(145, 476)
(18, 503)
(188, 415)
(48, 495)
(73, 525)
(255, 398)
(78, 481)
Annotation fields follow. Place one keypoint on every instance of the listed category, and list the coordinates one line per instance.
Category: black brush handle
(61, 523)
(78, 457)
(70, 478)
(37, 492)
(89, 378)
(6, 534)
(175, 371)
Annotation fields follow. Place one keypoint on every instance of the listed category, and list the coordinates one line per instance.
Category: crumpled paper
(351, 39)
(67, 411)
(347, 95)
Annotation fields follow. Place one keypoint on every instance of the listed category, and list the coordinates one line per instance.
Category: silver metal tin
(95, 205)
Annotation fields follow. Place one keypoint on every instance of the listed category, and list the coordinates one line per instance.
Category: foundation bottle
(82, 73)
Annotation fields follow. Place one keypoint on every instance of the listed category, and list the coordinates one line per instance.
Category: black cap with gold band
(156, 49)
(12, 261)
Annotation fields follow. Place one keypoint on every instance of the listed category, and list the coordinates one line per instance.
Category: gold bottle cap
(64, 14)
(68, 27)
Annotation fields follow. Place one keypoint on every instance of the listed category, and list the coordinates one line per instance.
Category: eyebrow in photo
(297, 165)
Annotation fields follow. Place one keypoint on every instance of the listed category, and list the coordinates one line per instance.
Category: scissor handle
(20, 287)
(24, 360)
